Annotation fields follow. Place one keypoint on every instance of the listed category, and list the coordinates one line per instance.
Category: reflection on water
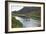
(28, 22)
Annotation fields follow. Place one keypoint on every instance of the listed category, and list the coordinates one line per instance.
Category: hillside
(28, 11)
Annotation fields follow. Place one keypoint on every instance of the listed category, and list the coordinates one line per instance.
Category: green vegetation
(16, 23)
(34, 15)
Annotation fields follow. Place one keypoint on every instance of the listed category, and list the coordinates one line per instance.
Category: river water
(28, 22)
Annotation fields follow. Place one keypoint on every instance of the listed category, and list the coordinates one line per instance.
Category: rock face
(28, 10)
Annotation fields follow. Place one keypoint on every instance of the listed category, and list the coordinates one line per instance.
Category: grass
(16, 23)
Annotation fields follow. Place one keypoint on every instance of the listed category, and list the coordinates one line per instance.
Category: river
(28, 22)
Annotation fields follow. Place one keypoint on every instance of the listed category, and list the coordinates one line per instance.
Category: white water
(28, 22)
